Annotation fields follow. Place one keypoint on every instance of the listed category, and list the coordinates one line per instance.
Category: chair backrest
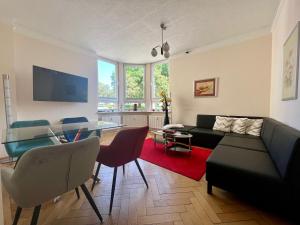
(70, 136)
(11, 147)
(29, 123)
(127, 145)
(74, 120)
(46, 172)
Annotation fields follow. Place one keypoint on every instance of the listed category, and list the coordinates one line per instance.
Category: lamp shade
(154, 52)
(166, 47)
(167, 55)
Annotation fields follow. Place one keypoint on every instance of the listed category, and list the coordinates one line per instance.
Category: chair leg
(77, 192)
(113, 189)
(17, 215)
(35, 215)
(123, 169)
(91, 201)
(96, 175)
(141, 172)
(209, 188)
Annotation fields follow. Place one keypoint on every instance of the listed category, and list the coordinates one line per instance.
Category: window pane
(160, 79)
(107, 80)
(107, 106)
(134, 81)
(129, 106)
(156, 106)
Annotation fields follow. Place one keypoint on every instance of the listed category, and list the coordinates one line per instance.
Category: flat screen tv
(51, 85)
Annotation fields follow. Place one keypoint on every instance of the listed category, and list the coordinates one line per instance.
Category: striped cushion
(254, 127)
(239, 125)
(223, 123)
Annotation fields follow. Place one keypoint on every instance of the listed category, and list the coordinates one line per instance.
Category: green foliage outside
(134, 82)
(106, 90)
(161, 79)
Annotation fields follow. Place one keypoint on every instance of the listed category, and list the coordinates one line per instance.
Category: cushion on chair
(18, 148)
(248, 143)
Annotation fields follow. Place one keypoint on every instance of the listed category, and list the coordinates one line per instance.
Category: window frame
(134, 100)
(115, 100)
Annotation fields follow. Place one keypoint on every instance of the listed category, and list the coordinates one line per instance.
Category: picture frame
(291, 65)
(204, 88)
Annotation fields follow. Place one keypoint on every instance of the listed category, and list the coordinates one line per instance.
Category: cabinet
(135, 120)
(111, 118)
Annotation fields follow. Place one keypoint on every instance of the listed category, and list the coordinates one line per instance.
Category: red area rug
(190, 165)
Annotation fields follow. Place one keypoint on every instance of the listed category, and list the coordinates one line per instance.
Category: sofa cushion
(254, 127)
(241, 135)
(284, 142)
(205, 121)
(253, 163)
(267, 130)
(241, 142)
(239, 125)
(207, 131)
(223, 123)
(206, 137)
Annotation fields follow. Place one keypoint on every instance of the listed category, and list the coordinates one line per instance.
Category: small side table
(174, 139)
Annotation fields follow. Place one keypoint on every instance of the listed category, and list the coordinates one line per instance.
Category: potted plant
(166, 102)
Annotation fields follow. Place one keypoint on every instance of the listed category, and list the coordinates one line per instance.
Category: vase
(166, 120)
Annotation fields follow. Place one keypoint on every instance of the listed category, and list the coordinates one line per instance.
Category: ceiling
(127, 30)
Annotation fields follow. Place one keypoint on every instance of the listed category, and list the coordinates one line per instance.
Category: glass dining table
(54, 132)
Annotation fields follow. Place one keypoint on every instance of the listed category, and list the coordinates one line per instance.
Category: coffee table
(173, 141)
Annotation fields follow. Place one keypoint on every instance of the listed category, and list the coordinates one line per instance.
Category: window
(160, 83)
(134, 76)
(107, 86)
(134, 81)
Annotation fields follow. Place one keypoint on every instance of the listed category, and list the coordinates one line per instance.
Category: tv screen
(51, 85)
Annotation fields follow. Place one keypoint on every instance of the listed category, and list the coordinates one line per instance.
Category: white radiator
(156, 122)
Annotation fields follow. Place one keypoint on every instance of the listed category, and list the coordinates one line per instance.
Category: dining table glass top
(11, 135)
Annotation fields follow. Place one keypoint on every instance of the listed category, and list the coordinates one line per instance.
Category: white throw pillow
(223, 123)
(254, 127)
(239, 125)
(168, 126)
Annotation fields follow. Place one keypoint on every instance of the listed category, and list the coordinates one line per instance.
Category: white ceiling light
(164, 47)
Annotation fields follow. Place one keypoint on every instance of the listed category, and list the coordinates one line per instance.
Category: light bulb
(154, 52)
(167, 55)
(166, 47)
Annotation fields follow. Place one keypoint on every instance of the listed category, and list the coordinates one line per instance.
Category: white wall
(29, 52)
(243, 70)
(286, 111)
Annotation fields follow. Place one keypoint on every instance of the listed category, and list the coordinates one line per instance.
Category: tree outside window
(160, 83)
(107, 86)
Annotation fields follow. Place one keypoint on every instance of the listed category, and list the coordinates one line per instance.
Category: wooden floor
(170, 200)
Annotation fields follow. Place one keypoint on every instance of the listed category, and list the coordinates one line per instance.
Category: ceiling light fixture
(164, 47)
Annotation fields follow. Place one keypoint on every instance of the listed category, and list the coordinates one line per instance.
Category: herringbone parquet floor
(170, 200)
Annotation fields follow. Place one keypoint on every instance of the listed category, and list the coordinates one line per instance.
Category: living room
(239, 46)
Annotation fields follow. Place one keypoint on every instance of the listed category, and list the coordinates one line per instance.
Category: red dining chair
(126, 147)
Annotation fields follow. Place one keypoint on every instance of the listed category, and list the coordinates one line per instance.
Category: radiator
(156, 122)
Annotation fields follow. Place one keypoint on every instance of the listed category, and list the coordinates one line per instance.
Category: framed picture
(291, 65)
(205, 87)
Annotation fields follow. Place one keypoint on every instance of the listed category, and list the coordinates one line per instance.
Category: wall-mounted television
(52, 85)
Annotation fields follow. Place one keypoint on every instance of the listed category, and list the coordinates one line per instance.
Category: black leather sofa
(264, 169)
